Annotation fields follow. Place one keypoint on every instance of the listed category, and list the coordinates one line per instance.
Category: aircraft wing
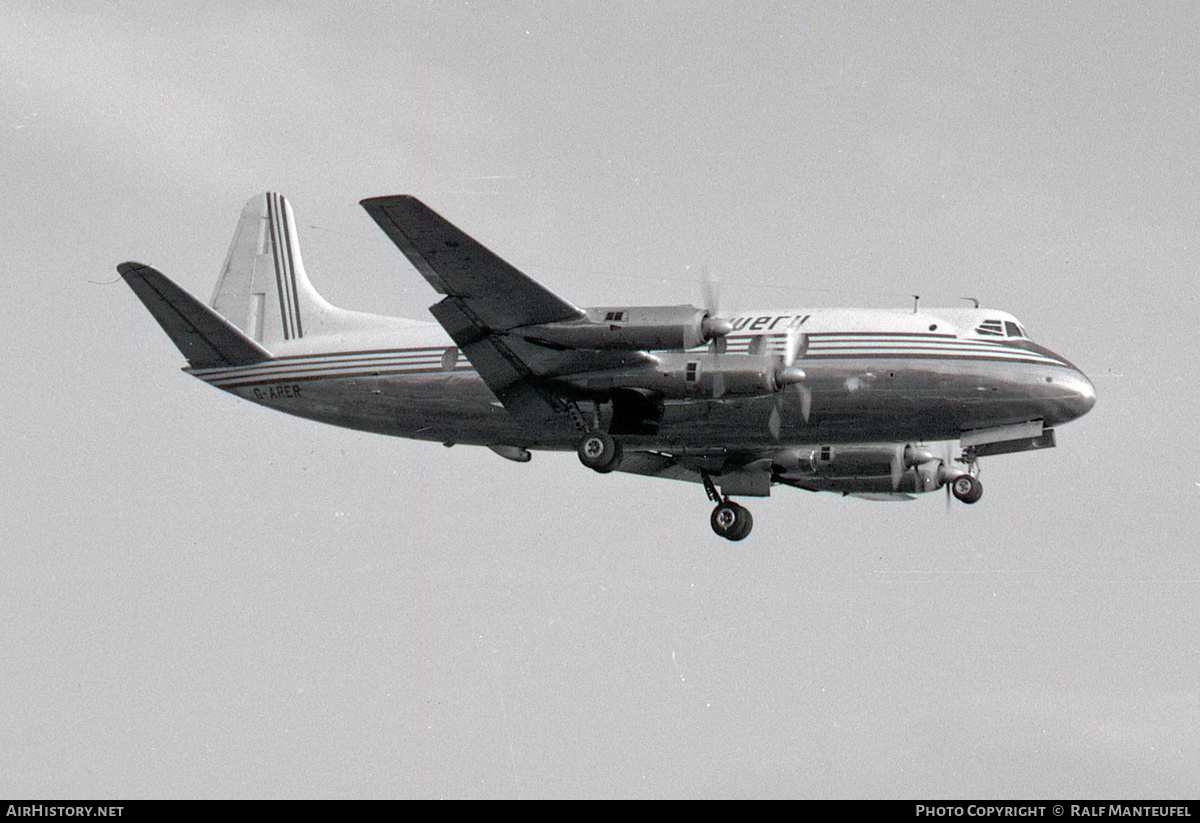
(657, 464)
(497, 295)
(746, 473)
(486, 298)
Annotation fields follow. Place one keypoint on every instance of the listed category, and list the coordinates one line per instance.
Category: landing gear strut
(729, 520)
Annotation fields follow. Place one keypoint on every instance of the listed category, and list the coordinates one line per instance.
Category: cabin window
(690, 375)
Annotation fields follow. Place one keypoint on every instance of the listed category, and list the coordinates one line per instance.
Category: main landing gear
(729, 520)
(600, 452)
(965, 485)
(967, 488)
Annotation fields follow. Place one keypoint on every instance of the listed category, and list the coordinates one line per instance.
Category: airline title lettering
(769, 322)
(276, 392)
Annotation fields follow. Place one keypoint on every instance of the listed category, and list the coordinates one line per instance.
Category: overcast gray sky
(202, 598)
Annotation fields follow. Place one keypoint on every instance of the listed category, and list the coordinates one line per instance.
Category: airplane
(837, 400)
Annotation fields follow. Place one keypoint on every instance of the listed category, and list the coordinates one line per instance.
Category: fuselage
(870, 376)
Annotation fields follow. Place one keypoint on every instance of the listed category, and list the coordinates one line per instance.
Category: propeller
(946, 463)
(897, 466)
(789, 374)
(797, 345)
(949, 462)
(714, 327)
(909, 456)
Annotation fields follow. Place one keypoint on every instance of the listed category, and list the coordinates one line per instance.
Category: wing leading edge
(496, 294)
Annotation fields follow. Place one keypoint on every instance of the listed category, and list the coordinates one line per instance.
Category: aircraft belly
(454, 408)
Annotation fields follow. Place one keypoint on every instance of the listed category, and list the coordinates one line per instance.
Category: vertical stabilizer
(263, 289)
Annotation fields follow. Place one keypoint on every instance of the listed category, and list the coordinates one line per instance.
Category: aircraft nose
(1083, 394)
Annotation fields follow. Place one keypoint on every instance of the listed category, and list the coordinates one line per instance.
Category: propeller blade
(797, 347)
(897, 467)
(805, 401)
(775, 421)
(787, 373)
(714, 326)
(712, 291)
(946, 466)
(718, 385)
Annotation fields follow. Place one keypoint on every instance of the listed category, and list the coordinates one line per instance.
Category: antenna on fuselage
(916, 302)
(974, 300)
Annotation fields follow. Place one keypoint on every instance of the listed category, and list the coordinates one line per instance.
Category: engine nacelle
(863, 469)
(865, 460)
(683, 375)
(643, 328)
(717, 375)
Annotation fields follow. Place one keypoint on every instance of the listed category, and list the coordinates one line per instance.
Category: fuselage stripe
(280, 289)
(290, 267)
(428, 360)
(959, 349)
(227, 381)
(285, 273)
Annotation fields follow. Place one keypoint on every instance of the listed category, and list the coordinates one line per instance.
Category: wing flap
(506, 374)
(656, 464)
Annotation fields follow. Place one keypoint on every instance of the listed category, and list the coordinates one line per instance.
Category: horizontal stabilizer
(205, 338)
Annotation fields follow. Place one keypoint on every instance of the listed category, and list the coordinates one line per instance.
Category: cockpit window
(991, 327)
(1013, 329)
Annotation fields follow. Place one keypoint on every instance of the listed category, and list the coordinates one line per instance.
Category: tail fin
(263, 289)
(204, 337)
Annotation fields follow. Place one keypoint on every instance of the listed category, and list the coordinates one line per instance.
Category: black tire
(966, 488)
(731, 521)
(600, 452)
(747, 525)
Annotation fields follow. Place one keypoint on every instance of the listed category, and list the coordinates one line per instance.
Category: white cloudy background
(201, 598)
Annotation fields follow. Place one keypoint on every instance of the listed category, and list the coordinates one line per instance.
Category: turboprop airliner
(850, 401)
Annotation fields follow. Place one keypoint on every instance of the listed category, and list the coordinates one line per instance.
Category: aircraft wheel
(731, 521)
(600, 452)
(967, 488)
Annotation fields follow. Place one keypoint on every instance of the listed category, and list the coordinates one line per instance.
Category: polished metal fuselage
(871, 376)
